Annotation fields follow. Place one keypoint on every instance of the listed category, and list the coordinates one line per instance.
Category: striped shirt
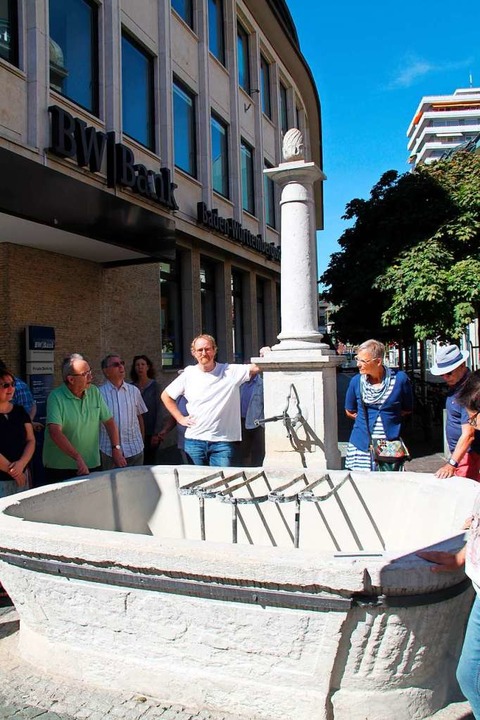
(126, 404)
(357, 459)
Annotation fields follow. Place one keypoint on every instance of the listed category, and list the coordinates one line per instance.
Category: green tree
(435, 285)
(401, 211)
(409, 266)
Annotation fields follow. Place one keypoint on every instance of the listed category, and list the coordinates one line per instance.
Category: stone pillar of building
(300, 371)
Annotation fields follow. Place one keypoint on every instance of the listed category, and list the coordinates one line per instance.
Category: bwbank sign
(73, 138)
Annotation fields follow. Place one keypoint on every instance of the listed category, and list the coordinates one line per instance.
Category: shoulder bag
(386, 455)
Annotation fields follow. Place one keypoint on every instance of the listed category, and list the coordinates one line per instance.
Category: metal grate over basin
(240, 488)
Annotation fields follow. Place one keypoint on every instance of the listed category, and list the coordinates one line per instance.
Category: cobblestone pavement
(26, 694)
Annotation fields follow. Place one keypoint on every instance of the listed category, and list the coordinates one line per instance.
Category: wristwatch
(116, 447)
(453, 463)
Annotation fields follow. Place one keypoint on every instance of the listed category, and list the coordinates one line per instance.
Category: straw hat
(448, 358)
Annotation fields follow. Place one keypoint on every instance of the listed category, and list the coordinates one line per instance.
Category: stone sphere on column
(293, 148)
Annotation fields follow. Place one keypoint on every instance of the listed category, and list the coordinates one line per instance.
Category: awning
(34, 192)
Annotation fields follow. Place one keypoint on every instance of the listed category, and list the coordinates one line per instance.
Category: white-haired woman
(377, 399)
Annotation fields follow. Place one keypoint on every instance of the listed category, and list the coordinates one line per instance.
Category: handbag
(386, 455)
(390, 450)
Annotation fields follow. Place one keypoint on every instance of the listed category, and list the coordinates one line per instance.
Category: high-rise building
(134, 212)
(442, 123)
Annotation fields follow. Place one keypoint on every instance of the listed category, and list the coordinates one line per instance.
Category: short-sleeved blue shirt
(457, 416)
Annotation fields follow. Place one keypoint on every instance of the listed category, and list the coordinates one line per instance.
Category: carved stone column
(300, 371)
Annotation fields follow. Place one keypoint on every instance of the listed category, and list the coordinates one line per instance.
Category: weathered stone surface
(255, 660)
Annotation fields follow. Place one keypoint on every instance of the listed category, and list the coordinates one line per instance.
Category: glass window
(283, 109)
(261, 333)
(243, 59)
(219, 156)
(248, 199)
(171, 314)
(265, 87)
(74, 51)
(237, 316)
(184, 128)
(269, 192)
(216, 43)
(9, 31)
(184, 8)
(137, 93)
(207, 295)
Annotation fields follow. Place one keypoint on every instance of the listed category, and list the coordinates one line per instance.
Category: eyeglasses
(7, 385)
(86, 373)
(203, 350)
(359, 361)
(117, 363)
(473, 420)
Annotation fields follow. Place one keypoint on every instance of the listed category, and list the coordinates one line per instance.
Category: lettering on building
(235, 231)
(73, 138)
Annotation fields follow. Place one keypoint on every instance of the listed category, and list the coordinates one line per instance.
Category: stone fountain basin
(114, 587)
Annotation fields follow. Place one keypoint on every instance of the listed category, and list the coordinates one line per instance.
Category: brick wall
(131, 315)
(5, 330)
(93, 310)
(44, 288)
(131, 318)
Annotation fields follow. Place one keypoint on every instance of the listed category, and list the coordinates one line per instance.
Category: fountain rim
(374, 575)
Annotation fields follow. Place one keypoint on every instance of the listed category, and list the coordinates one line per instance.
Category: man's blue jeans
(468, 671)
(204, 452)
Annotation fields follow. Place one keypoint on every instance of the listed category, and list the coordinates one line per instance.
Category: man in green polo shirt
(74, 413)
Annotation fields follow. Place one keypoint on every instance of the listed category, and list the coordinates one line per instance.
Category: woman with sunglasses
(17, 440)
(377, 399)
(468, 670)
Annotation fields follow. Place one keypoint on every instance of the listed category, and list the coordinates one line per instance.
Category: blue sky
(373, 62)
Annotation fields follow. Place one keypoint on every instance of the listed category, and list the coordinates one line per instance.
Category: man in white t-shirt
(212, 391)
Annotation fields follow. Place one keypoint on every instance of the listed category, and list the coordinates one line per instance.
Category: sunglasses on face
(6, 385)
(86, 373)
(117, 363)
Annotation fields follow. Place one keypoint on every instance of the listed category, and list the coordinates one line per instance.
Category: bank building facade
(134, 212)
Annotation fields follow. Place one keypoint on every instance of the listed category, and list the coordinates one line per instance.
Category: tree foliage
(409, 268)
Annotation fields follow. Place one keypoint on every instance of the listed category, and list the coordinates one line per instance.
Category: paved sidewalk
(27, 693)
(426, 463)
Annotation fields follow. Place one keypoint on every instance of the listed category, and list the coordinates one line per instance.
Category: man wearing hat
(463, 440)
